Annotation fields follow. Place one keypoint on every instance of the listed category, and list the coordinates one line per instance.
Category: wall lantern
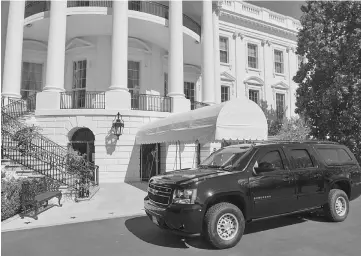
(118, 125)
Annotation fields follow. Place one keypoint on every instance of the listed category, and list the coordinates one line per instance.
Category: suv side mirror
(264, 167)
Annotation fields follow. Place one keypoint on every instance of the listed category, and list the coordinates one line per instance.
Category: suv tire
(337, 207)
(224, 217)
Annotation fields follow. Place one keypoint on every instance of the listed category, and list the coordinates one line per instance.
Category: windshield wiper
(202, 166)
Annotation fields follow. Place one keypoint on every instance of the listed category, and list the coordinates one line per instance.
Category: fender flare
(242, 196)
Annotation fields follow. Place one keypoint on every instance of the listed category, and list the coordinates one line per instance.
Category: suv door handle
(287, 178)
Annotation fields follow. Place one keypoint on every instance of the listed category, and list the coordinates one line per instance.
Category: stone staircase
(39, 156)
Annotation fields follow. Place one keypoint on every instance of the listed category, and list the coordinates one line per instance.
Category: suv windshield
(225, 158)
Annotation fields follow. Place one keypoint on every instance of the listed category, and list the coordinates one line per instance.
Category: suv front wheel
(224, 225)
(338, 205)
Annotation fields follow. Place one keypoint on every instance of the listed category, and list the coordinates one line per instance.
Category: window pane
(273, 158)
(333, 156)
(224, 93)
(280, 105)
(223, 49)
(31, 78)
(223, 43)
(301, 158)
(223, 57)
(254, 95)
(278, 56)
(165, 84)
(189, 90)
(343, 156)
(252, 56)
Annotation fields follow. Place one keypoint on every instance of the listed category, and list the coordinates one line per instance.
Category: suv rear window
(335, 156)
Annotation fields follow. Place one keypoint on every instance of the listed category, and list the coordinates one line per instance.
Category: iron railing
(153, 8)
(23, 145)
(149, 102)
(82, 100)
(20, 107)
(197, 104)
(7, 100)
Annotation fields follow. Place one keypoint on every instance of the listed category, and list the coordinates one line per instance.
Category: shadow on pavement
(318, 216)
(264, 225)
(145, 230)
(139, 185)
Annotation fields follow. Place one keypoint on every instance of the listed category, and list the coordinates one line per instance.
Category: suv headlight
(184, 196)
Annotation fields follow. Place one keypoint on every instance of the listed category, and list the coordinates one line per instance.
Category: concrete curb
(139, 214)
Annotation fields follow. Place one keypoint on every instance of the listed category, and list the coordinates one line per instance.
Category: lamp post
(118, 125)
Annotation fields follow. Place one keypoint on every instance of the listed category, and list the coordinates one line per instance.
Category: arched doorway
(83, 142)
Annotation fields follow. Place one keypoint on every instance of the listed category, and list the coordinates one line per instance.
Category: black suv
(246, 182)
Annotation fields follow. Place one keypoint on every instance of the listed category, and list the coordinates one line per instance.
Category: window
(272, 158)
(79, 83)
(134, 82)
(31, 79)
(301, 158)
(165, 84)
(335, 156)
(278, 61)
(280, 105)
(189, 91)
(224, 93)
(254, 95)
(223, 49)
(252, 56)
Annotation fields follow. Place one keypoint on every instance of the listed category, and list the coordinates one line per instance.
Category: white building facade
(88, 60)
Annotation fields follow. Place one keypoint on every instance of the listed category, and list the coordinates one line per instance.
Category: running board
(286, 214)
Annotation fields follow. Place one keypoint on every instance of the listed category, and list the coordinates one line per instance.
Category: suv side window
(301, 158)
(272, 158)
(335, 156)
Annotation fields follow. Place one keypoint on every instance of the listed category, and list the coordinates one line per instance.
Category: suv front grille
(159, 194)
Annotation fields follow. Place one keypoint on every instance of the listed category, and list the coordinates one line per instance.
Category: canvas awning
(238, 119)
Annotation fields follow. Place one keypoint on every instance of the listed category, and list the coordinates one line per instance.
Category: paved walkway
(112, 200)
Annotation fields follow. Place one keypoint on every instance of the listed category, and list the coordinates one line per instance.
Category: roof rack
(272, 141)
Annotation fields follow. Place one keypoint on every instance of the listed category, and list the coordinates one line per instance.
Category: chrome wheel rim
(227, 226)
(340, 206)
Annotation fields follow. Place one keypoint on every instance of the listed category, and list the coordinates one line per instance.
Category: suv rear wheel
(224, 225)
(338, 205)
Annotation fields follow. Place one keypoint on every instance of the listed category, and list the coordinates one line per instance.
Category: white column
(14, 49)
(217, 76)
(208, 95)
(118, 96)
(49, 98)
(175, 58)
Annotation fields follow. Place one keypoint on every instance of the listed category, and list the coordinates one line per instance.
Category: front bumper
(181, 219)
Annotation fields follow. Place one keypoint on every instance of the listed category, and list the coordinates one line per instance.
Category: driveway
(304, 235)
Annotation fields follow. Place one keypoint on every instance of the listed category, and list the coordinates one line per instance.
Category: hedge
(11, 190)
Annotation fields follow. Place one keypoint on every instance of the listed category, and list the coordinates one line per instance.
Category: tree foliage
(273, 121)
(329, 93)
(295, 129)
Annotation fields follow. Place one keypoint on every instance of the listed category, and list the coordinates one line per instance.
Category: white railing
(277, 18)
(261, 14)
(251, 9)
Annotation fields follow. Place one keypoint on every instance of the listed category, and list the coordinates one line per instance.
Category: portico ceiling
(95, 25)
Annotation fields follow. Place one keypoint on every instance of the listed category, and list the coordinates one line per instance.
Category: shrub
(11, 191)
(10, 198)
